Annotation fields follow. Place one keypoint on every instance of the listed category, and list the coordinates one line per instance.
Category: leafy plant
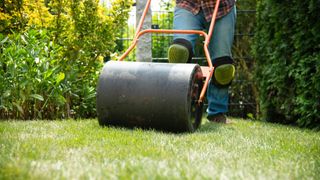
(50, 62)
(31, 74)
(287, 51)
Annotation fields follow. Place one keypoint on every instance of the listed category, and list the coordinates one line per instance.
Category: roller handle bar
(207, 37)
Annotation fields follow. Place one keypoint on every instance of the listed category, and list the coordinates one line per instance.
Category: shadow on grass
(210, 127)
(206, 127)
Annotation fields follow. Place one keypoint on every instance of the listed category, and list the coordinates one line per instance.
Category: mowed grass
(82, 149)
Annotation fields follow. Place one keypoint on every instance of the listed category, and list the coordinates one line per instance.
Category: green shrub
(50, 63)
(287, 50)
(39, 81)
(31, 76)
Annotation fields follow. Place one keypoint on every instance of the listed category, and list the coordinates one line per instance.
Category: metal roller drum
(160, 96)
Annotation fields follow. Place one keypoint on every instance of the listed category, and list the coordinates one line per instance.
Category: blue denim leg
(185, 20)
(220, 45)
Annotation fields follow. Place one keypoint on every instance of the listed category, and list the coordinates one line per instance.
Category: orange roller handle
(207, 37)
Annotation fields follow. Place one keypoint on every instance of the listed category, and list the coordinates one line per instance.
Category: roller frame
(205, 74)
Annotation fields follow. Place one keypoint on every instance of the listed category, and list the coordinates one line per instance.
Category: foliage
(52, 52)
(81, 149)
(162, 19)
(244, 100)
(288, 61)
(16, 15)
(31, 76)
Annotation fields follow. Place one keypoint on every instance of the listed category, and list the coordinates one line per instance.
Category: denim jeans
(220, 45)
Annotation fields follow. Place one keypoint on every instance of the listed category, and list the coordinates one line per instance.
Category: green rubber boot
(178, 54)
(224, 74)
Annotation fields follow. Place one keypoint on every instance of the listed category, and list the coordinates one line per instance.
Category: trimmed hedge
(287, 50)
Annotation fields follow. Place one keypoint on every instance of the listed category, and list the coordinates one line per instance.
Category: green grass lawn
(83, 150)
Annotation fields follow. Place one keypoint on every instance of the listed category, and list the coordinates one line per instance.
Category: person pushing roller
(169, 96)
(197, 15)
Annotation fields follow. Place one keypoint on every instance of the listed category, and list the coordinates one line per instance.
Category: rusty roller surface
(160, 96)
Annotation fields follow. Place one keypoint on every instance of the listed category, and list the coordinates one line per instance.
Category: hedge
(287, 52)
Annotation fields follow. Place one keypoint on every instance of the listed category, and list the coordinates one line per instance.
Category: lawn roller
(162, 96)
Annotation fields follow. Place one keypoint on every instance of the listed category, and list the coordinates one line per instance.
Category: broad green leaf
(61, 99)
(7, 93)
(4, 40)
(24, 39)
(20, 109)
(48, 74)
(37, 96)
(90, 96)
(3, 107)
(60, 77)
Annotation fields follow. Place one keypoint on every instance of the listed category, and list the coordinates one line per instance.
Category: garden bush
(51, 55)
(287, 50)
